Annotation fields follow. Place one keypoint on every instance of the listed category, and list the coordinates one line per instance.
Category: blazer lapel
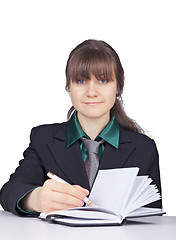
(118, 158)
(69, 160)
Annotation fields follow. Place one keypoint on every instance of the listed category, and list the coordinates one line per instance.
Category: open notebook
(119, 194)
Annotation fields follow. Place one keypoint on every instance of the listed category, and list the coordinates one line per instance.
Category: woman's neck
(93, 126)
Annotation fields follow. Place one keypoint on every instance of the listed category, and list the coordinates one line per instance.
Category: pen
(58, 179)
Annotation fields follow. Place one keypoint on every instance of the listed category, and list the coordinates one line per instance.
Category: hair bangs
(93, 62)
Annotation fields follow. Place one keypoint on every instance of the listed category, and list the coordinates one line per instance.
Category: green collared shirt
(110, 134)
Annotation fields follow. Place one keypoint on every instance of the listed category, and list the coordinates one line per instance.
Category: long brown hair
(100, 59)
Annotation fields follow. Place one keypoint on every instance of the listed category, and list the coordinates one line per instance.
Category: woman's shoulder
(44, 131)
(138, 138)
(50, 126)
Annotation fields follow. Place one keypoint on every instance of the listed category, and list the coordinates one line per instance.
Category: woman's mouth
(93, 103)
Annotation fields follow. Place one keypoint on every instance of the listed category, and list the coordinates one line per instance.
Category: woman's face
(93, 98)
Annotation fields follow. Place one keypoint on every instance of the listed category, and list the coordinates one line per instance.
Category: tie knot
(91, 145)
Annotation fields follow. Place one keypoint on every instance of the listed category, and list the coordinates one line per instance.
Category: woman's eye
(103, 81)
(81, 81)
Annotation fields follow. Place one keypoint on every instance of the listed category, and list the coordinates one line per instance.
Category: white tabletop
(149, 228)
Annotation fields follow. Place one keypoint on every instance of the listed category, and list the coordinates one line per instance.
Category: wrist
(31, 201)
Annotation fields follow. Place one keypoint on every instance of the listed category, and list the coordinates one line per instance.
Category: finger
(67, 189)
(66, 199)
(81, 189)
(58, 206)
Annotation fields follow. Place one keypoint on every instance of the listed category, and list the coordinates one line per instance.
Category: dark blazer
(48, 152)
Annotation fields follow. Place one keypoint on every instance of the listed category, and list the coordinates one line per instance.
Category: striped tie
(92, 161)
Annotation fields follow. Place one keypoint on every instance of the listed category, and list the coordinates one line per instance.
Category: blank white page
(112, 188)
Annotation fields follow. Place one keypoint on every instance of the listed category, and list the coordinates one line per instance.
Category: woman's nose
(91, 89)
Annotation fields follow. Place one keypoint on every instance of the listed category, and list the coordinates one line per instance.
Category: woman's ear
(117, 92)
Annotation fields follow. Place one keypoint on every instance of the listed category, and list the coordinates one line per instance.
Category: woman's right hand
(53, 196)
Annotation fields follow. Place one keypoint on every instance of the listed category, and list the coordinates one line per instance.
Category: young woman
(95, 81)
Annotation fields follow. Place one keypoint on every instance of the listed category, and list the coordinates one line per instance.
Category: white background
(35, 40)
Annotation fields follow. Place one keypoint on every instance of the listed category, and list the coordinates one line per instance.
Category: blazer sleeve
(154, 173)
(28, 175)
